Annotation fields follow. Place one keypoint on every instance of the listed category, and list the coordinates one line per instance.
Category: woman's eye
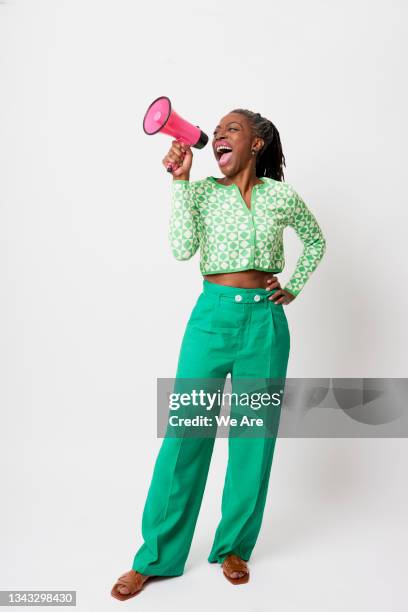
(231, 128)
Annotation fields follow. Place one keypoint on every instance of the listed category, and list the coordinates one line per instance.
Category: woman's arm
(184, 227)
(314, 244)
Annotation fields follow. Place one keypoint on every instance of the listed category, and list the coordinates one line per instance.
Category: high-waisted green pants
(230, 330)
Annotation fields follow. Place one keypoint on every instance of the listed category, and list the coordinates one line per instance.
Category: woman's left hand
(281, 296)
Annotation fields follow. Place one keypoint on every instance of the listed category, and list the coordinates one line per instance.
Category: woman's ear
(258, 144)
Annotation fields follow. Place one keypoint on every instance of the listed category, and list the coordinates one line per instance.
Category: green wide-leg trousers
(230, 331)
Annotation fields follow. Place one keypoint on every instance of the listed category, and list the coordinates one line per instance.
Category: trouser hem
(156, 571)
(220, 558)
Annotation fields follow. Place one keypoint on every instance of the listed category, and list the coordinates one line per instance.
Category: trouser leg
(264, 352)
(172, 505)
(181, 469)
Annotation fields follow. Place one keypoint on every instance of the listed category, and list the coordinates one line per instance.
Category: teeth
(223, 148)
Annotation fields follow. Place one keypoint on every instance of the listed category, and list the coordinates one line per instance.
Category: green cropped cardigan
(232, 237)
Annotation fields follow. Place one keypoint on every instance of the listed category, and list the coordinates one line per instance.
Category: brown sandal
(133, 581)
(232, 563)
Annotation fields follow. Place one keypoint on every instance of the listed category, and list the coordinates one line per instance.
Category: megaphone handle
(171, 166)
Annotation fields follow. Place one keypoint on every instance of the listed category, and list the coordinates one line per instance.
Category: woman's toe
(237, 574)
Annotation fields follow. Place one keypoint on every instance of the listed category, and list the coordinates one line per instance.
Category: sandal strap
(233, 563)
(132, 580)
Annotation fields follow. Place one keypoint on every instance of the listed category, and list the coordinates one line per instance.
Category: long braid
(270, 160)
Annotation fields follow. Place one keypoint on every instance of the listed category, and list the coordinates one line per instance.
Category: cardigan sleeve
(184, 227)
(314, 244)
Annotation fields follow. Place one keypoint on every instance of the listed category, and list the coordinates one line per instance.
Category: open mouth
(223, 154)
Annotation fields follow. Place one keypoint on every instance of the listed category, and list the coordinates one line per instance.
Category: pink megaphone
(160, 117)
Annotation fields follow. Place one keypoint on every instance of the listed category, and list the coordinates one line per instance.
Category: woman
(237, 326)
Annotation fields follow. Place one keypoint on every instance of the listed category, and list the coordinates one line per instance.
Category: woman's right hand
(182, 155)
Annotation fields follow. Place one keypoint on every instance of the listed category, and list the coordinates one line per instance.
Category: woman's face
(235, 133)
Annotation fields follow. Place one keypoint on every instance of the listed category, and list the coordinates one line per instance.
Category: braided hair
(270, 159)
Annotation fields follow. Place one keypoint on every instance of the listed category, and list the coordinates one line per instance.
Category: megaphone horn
(160, 117)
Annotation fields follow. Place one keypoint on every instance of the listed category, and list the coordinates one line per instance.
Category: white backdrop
(93, 306)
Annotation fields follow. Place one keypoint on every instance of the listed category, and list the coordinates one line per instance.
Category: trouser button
(238, 298)
(257, 298)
